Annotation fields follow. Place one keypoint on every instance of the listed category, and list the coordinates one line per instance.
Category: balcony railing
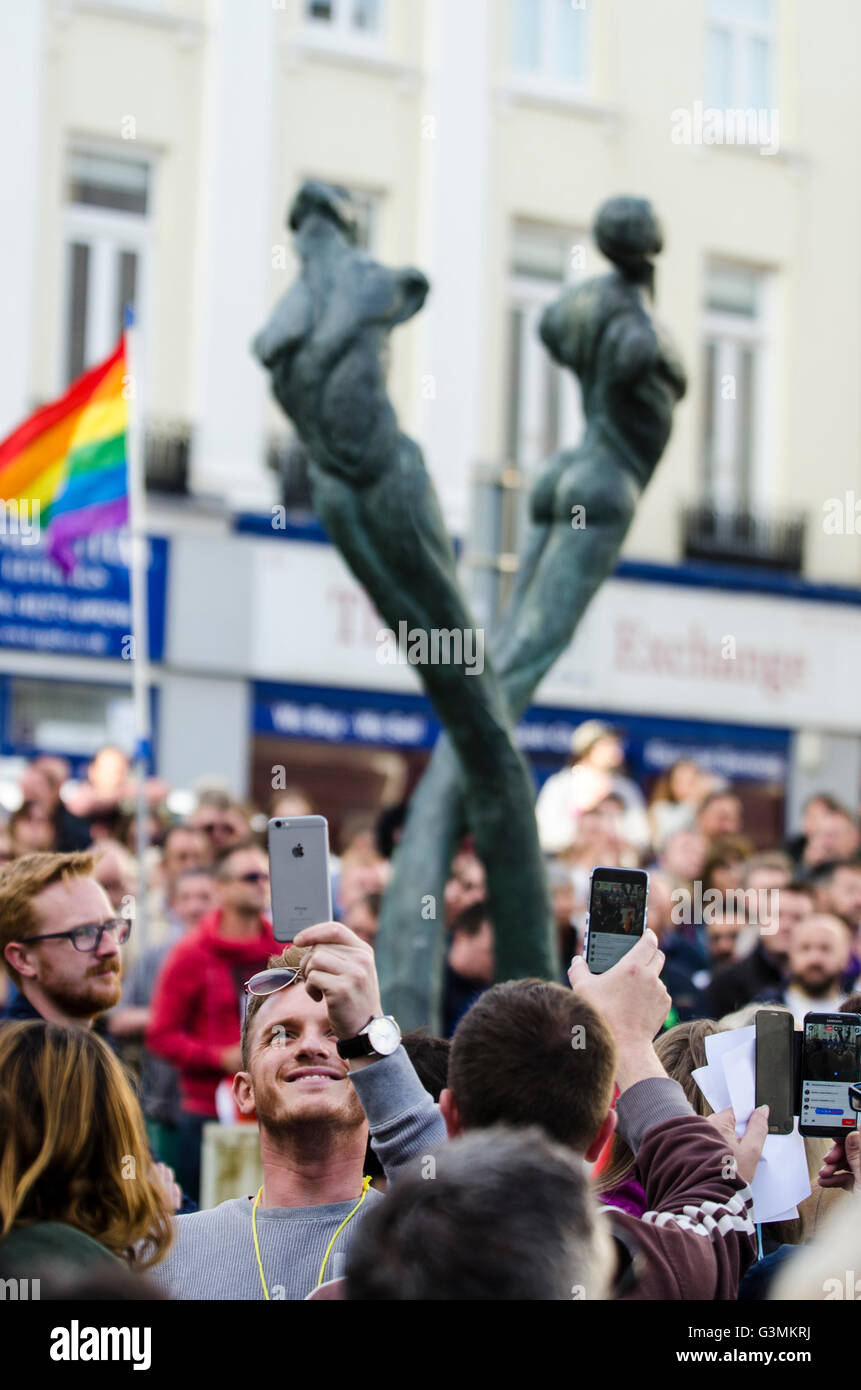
(289, 461)
(167, 447)
(741, 537)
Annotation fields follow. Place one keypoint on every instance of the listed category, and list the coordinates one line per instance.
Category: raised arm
(404, 1121)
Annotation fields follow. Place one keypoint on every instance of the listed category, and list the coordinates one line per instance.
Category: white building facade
(152, 149)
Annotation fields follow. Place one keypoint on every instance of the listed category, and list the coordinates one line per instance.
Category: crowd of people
(560, 1116)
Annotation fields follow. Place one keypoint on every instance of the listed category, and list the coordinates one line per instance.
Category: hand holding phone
(631, 996)
(341, 969)
(841, 1166)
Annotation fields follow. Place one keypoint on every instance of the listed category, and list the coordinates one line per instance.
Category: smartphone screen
(830, 1065)
(774, 1034)
(617, 915)
(299, 872)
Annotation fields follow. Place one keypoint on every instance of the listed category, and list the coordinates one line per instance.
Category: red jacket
(196, 1005)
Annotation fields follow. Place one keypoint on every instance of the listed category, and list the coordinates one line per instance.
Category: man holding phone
(319, 1056)
(696, 1239)
(195, 1015)
(292, 1235)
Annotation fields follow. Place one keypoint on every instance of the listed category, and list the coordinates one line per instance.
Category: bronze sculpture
(324, 347)
(631, 380)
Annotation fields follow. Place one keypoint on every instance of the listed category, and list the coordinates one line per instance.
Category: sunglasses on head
(270, 981)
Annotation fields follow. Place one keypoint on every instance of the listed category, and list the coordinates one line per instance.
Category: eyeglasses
(256, 876)
(270, 981)
(89, 936)
(225, 827)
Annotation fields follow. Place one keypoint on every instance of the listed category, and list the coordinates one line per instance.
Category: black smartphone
(617, 915)
(774, 1069)
(830, 1067)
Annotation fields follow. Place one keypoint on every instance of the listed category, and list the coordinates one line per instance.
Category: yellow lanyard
(366, 1183)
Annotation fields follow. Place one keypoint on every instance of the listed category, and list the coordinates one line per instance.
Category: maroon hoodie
(196, 1005)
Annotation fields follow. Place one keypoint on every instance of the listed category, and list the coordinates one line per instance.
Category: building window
(61, 717)
(106, 235)
(349, 20)
(734, 375)
(741, 40)
(543, 401)
(366, 206)
(543, 411)
(550, 41)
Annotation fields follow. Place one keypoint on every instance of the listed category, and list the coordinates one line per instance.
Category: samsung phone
(775, 1029)
(299, 873)
(617, 915)
(830, 1067)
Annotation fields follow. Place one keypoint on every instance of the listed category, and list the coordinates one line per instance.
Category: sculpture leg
(410, 944)
(563, 569)
(411, 579)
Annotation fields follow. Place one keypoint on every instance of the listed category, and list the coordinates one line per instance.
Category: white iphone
(299, 872)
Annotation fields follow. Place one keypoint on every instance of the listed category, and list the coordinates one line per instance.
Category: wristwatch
(380, 1037)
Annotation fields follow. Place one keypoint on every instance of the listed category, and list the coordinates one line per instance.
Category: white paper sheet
(719, 1043)
(781, 1180)
(712, 1083)
(739, 1069)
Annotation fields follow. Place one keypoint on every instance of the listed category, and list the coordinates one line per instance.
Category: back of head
(532, 1053)
(73, 1146)
(429, 1056)
(505, 1215)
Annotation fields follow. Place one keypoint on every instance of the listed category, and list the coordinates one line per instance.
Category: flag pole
(138, 570)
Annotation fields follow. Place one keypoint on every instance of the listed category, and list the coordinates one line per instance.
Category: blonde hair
(292, 957)
(22, 881)
(73, 1145)
(681, 1050)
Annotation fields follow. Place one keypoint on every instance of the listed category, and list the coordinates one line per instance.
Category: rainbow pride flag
(70, 458)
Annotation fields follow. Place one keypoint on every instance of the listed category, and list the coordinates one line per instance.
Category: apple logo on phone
(298, 851)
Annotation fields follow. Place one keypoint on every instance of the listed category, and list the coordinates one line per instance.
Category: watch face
(384, 1035)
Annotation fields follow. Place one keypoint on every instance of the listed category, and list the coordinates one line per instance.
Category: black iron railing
(167, 448)
(739, 536)
(289, 461)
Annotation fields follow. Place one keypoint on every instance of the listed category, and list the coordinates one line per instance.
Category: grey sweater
(213, 1255)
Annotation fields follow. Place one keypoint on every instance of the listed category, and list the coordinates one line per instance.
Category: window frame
(525, 401)
(107, 232)
(545, 80)
(741, 30)
(340, 33)
(730, 334)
